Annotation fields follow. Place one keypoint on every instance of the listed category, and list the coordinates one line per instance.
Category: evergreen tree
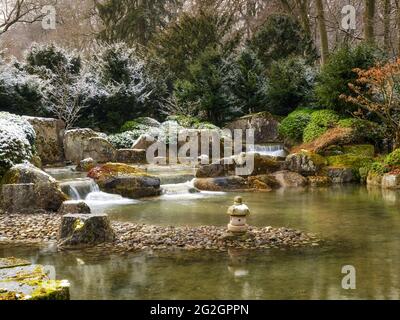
(247, 82)
(185, 40)
(134, 21)
(205, 87)
(281, 36)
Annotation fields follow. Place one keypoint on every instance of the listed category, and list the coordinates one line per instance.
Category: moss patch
(349, 160)
(364, 150)
(113, 170)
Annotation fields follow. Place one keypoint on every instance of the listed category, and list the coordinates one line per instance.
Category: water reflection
(312, 273)
(361, 226)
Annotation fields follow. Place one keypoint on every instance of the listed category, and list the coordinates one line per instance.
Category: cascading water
(179, 188)
(185, 190)
(275, 150)
(79, 189)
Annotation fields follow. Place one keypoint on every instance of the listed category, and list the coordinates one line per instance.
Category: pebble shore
(41, 228)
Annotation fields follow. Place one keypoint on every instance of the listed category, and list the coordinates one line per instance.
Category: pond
(360, 227)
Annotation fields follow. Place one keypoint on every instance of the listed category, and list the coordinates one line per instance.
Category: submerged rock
(20, 280)
(288, 179)
(85, 230)
(341, 174)
(319, 181)
(234, 183)
(74, 206)
(125, 180)
(26, 188)
(49, 138)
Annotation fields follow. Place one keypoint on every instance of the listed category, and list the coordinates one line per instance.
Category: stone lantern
(238, 213)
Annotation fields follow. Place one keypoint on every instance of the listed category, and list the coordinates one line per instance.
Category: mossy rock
(112, 169)
(364, 150)
(318, 159)
(349, 160)
(20, 280)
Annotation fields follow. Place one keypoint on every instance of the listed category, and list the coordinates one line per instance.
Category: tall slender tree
(322, 31)
(369, 15)
(387, 6)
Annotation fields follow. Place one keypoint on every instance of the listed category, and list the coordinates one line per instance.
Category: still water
(361, 228)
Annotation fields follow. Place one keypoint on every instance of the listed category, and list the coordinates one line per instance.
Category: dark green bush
(290, 84)
(366, 131)
(393, 159)
(293, 125)
(320, 122)
(338, 72)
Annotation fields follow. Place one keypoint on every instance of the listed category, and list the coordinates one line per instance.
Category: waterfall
(79, 189)
(276, 149)
(179, 188)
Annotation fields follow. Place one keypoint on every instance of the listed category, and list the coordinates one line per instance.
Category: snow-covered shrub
(17, 138)
(20, 92)
(131, 91)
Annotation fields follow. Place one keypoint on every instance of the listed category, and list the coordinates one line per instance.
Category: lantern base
(238, 229)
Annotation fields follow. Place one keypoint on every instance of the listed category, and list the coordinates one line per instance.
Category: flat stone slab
(20, 280)
(13, 262)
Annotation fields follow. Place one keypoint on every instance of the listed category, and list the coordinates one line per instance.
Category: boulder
(85, 230)
(231, 183)
(288, 179)
(86, 165)
(49, 139)
(305, 163)
(264, 124)
(391, 181)
(125, 180)
(374, 179)
(263, 164)
(319, 181)
(131, 156)
(26, 188)
(99, 149)
(143, 142)
(261, 182)
(74, 206)
(21, 280)
(75, 142)
(341, 174)
(211, 170)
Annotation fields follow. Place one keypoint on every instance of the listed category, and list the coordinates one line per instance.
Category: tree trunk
(322, 32)
(369, 14)
(398, 26)
(305, 21)
(386, 24)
